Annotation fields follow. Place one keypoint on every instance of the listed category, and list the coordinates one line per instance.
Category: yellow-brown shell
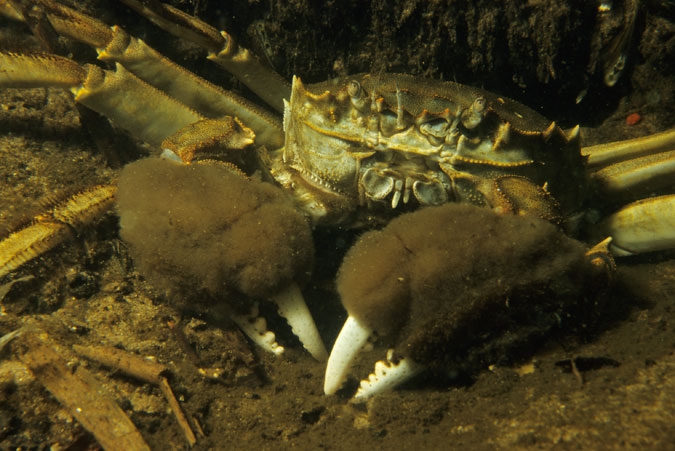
(389, 140)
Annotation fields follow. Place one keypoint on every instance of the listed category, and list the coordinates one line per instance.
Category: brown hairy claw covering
(204, 229)
(457, 283)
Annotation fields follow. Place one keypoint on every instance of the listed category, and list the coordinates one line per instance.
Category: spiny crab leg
(118, 95)
(223, 50)
(189, 91)
(55, 227)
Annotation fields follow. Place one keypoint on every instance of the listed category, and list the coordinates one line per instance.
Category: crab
(350, 152)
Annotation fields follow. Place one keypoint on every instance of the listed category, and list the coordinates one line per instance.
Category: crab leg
(114, 45)
(53, 228)
(222, 48)
(633, 168)
(141, 109)
(118, 95)
(649, 173)
(193, 91)
(647, 225)
(602, 155)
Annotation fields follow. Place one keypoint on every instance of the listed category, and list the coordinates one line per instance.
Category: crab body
(383, 142)
(351, 152)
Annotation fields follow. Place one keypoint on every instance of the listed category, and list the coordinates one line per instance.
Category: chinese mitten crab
(351, 152)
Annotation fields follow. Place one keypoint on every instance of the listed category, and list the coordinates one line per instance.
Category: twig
(142, 369)
(80, 393)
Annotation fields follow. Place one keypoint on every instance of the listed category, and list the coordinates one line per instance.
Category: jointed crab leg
(223, 50)
(119, 95)
(646, 225)
(640, 175)
(624, 167)
(602, 155)
(629, 169)
(55, 227)
(115, 45)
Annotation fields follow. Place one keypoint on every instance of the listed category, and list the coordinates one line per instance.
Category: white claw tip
(348, 344)
(292, 306)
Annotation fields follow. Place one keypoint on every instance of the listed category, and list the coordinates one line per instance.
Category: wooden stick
(129, 364)
(142, 369)
(177, 411)
(80, 393)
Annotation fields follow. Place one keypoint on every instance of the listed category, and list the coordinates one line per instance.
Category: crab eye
(358, 96)
(474, 115)
(479, 105)
(354, 88)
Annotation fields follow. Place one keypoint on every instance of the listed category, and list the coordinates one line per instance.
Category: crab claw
(387, 374)
(348, 344)
(457, 287)
(207, 235)
(255, 328)
(292, 306)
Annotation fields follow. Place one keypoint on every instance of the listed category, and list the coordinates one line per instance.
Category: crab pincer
(459, 287)
(216, 239)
